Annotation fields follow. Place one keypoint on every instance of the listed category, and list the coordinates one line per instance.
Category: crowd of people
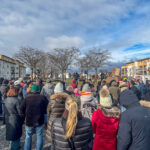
(113, 116)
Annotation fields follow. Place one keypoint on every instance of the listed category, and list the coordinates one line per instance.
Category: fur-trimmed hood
(59, 96)
(112, 112)
(145, 103)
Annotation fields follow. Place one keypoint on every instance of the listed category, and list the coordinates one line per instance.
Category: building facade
(138, 68)
(11, 69)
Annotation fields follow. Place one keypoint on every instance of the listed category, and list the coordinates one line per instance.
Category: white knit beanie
(59, 88)
(86, 88)
(105, 99)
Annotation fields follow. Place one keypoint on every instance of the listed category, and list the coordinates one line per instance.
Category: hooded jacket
(55, 109)
(105, 122)
(47, 90)
(134, 129)
(91, 103)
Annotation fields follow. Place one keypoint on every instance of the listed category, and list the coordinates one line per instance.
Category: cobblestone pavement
(4, 145)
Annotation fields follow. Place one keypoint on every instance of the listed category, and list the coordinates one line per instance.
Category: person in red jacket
(74, 85)
(105, 122)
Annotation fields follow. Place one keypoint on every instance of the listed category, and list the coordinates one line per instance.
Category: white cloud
(51, 24)
(62, 42)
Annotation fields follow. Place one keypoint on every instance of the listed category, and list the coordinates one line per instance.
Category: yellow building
(11, 68)
(140, 67)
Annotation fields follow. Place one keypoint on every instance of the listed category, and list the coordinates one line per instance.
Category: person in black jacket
(33, 107)
(3, 92)
(71, 131)
(13, 118)
(134, 129)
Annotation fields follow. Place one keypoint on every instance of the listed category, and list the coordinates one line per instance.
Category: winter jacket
(74, 85)
(134, 129)
(147, 85)
(20, 93)
(81, 138)
(24, 90)
(3, 90)
(13, 118)
(55, 109)
(105, 123)
(136, 92)
(47, 90)
(33, 107)
(142, 90)
(114, 91)
(88, 101)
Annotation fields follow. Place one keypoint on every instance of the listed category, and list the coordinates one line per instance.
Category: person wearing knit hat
(56, 106)
(35, 88)
(105, 98)
(88, 101)
(105, 122)
(59, 88)
(74, 85)
(33, 108)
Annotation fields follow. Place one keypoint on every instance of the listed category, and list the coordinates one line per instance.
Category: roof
(11, 60)
(130, 62)
(143, 59)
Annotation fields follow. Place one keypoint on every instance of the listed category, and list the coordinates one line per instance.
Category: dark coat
(142, 89)
(136, 91)
(13, 118)
(82, 137)
(33, 107)
(55, 109)
(134, 129)
(48, 90)
(3, 90)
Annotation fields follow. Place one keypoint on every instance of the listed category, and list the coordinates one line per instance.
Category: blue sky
(121, 26)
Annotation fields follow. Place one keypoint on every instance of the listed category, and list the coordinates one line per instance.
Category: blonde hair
(72, 107)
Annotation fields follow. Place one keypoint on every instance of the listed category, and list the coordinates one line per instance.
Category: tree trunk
(95, 75)
(32, 74)
(87, 74)
(62, 72)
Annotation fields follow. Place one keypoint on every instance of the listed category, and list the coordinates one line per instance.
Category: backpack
(88, 110)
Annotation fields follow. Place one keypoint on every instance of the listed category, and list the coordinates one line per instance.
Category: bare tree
(84, 63)
(98, 58)
(63, 58)
(43, 65)
(30, 57)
